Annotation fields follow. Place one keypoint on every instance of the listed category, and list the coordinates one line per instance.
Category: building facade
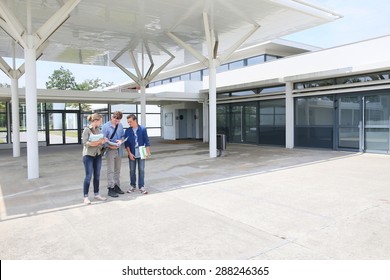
(337, 98)
(277, 93)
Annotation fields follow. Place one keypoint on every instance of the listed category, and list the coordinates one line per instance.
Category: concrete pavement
(256, 202)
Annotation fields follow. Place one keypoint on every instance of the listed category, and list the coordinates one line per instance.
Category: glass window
(243, 93)
(269, 57)
(154, 132)
(264, 109)
(349, 111)
(3, 107)
(314, 111)
(153, 109)
(223, 95)
(175, 79)
(124, 108)
(344, 80)
(377, 139)
(196, 76)
(236, 64)
(377, 110)
(185, 77)
(314, 118)
(266, 120)
(222, 120)
(272, 89)
(255, 60)
(272, 118)
(153, 120)
(223, 68)
(3, 122)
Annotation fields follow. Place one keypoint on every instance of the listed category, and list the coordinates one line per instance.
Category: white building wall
(179, 86)
(169, 122)
(357, 57)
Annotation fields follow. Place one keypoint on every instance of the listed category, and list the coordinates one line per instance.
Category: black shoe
(117, 189)
(112, 192)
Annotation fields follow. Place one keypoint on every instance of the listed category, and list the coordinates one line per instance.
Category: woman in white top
(92, 155)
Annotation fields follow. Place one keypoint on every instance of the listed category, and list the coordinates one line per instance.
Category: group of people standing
(110, 144)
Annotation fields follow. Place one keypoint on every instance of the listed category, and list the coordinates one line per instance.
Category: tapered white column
(289, 116)
(205, 121)
(15, 118)
(31, 113)
(212, 108)
(143, 105)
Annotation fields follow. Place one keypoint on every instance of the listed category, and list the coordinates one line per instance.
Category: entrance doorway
(187, 123)
(363, 123)
(63, 127)
(244, 123)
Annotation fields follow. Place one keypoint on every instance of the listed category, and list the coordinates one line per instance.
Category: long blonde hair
(94, 117)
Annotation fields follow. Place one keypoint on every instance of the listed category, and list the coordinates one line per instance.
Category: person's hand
(131, 157)
(119, 142)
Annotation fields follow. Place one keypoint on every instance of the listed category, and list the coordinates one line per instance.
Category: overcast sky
(361, 20)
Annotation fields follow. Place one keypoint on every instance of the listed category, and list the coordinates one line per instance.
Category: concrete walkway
(255, 202)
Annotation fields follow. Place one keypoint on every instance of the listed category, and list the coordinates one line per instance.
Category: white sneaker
(99, 197)
(143, 191)
(131, 190)
(86, 200)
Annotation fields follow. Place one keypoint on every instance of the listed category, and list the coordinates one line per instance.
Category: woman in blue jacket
(137, 136)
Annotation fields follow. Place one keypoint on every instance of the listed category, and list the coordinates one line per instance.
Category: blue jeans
(141, 172)
(92, 165)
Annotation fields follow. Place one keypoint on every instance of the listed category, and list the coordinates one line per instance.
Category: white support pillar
(143, 105)
(15, 118)
(205, 121)
(289, 116)
(212, 109)
(31, 113)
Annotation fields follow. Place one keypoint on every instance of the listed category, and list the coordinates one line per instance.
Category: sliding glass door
(376, 123)
(364, 123)
(349, 122)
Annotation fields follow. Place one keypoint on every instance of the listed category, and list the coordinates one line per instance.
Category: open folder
(115, 143)
(142, 151)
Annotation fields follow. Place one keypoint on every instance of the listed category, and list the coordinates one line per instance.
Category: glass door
(244, 123)
(249, 125)
(63, 127)
(236, 122)
(376, 123)
(71, 127)
(349, 123)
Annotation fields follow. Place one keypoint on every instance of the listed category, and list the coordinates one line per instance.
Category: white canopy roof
(97, 30)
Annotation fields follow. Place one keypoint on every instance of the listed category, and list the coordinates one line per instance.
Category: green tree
(93, 84)
(4, 85)
(61, 79)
